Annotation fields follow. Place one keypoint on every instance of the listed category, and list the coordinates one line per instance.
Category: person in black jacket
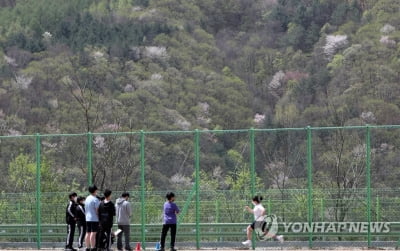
(106, 215)
(70, 218)
(81, 220)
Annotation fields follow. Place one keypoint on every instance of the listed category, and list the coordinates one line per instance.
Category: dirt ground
(257, 249)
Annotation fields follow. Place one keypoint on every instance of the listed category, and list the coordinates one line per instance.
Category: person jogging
(259, 214)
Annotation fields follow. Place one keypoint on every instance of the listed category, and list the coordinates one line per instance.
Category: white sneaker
(280, 238)
(247, 243)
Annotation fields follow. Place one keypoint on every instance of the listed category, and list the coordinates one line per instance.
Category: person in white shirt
(259, 213)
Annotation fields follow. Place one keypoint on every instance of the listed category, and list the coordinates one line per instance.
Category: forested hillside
(76, 66)
(126, 65)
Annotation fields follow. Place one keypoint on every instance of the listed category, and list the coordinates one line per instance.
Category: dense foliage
(127, 65)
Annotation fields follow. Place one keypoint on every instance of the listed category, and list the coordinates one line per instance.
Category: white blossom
(178, 119)
(385, 40)
(98, 56)
(128, 88)
(10, 61)
(156, 76)
(22, 81)
(203, 114)
(99, 142)
(259, 118)
(179, 179)
(387, 28)
(49, 145)
(13, 132)
(112, 127)
(359, 150)
(53, 102)
(333, 44)
(368, 117)
(155, 51)
(204, 107)
(47, 35)
(277, 79)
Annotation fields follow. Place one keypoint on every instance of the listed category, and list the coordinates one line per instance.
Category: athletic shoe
(247, 243)
(280, 238)
(173, 249)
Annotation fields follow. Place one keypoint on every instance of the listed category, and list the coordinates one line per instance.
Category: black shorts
(92, 226)
(259, 224)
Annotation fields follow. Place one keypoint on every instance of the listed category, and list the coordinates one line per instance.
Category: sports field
(338, 248)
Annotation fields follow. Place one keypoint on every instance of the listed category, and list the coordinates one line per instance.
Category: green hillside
(126, 65)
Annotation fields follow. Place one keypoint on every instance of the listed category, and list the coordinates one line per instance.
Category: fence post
(19, 213)
(368, 167)
(142, 189)
(217, 219)
(252, 162)
(322, 210)
(252, 173)
(38, 192)
(309, 182)
(378, 213)
(269, 206)
(89, 158)
(197, 181)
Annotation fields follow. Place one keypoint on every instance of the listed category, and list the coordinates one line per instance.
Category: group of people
(94, 217)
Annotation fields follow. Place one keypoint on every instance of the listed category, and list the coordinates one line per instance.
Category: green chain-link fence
(309, 177)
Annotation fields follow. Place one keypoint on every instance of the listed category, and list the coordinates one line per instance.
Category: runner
(259, 221)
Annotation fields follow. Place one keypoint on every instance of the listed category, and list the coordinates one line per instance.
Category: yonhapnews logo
(336, 227)
(267, 228)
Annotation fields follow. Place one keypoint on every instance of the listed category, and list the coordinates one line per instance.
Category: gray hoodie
(123, 211)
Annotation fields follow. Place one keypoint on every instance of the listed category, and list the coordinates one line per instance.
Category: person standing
(81, 220)
(92, 218)
(106, 219)
(70, 218)
(123, 212)
(169, 221)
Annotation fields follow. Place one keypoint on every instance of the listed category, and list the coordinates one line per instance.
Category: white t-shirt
(258, 212)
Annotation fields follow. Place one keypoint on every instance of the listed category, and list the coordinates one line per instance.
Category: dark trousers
(82, 233)
(103, 237)
(164, 232)
(126, 232)
(107, 238)
(70, 234)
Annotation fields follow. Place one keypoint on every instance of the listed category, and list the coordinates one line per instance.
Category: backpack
(105, 217)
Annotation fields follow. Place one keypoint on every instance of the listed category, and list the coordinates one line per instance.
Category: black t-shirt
(106, 214)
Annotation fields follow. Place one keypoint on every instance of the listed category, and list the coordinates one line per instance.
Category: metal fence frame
(196, 139)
